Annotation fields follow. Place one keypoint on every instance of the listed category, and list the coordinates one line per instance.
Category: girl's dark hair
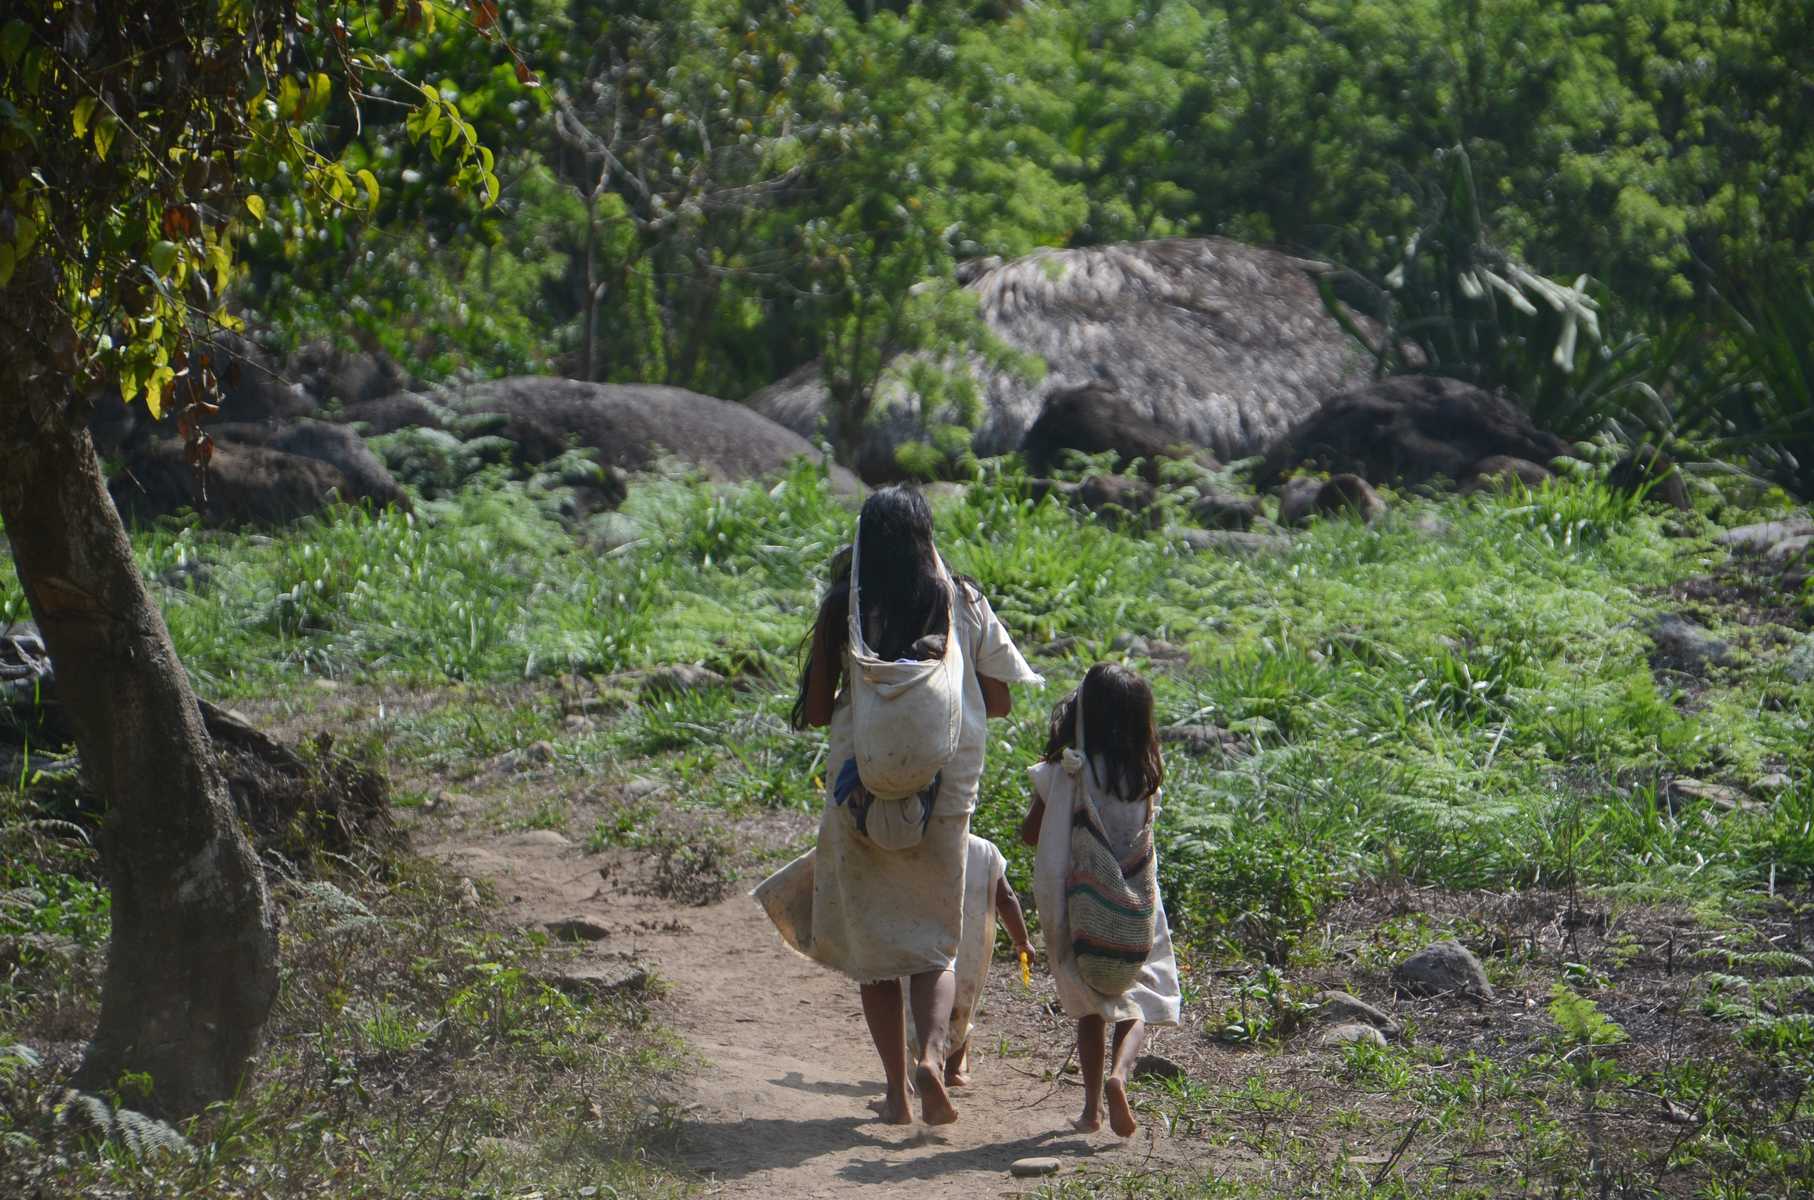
(1117, 724)
(901, 592)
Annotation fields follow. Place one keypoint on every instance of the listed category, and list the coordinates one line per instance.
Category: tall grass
(1458, 695)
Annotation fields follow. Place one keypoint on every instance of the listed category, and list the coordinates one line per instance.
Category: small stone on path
(1028, 1168)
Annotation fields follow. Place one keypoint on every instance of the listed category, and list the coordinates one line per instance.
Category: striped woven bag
(1111, 902)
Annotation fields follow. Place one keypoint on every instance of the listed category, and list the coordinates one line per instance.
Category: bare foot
(956, 1079)
(935, 1106)
(1089, 1122)
(892, 1112)
(1121, 1117)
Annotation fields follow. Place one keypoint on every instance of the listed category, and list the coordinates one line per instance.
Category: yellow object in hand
(1026, 970)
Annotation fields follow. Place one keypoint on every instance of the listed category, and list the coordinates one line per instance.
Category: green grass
(1457, 698)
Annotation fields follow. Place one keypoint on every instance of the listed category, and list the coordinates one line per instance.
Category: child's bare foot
(892, 1112)
(1121, 1116)
(1089, 1122)
(935, 1106)
(957, 1069)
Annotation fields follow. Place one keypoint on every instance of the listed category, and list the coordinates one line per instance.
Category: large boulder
(630, 426)
(255, 385)
(338, 378)
(336, 445)
(1408, 430)
(1095, 419)
(245, 485)
(388, 414)
(1202, 341)
(1650, 474)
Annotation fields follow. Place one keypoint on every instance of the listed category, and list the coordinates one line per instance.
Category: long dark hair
(901, 591)
(1117, 724)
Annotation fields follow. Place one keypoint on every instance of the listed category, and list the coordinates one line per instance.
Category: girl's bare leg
(1128, 1036)
(888, 1028)
(1089, 1057)
(931, 993)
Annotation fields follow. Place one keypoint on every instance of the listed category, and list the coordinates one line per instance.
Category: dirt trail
(779, 1104)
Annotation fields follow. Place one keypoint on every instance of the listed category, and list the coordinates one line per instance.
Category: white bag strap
(854, 613)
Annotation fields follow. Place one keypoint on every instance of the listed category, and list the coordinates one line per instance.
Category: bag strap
(854, 612)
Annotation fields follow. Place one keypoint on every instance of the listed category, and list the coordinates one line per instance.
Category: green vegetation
(712, 194)
(1456, 699)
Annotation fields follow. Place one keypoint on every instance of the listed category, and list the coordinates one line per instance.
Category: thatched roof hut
(1223, 345)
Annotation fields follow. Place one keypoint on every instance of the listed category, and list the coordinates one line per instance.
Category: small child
(1111, 786)
(987, 896)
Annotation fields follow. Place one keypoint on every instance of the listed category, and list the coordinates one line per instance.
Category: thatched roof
(1222, 344)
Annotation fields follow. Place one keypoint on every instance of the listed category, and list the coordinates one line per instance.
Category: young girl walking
(1095, 876)
(888, 898)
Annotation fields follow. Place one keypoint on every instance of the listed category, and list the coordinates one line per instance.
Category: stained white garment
(883, 914)
(983, 870)
(1154, 997)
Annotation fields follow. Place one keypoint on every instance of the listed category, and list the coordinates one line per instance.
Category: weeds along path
(778, 1103)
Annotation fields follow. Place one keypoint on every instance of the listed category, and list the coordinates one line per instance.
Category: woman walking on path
(881, 914)
(1095, 879)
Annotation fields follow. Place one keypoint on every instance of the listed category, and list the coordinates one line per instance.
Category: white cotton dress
(883, 914)
(1154, 998)
(787, 898)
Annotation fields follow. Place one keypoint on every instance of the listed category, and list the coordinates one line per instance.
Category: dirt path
(779, 1104)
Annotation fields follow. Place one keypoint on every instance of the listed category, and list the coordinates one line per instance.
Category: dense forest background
(711, 194)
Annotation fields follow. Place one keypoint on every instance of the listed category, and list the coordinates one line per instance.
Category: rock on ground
(1341, 1008)
(244, 485)
(633, 426)
(1681, 645)
(1353, 1033)
(1445, 968)
(1408, 430)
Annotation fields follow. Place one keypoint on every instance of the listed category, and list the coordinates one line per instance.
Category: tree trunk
(192, 962)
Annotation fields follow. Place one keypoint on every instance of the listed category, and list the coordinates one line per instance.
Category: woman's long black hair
(1117, 724)
(902, 592)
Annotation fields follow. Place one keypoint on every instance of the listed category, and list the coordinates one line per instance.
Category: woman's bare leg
(1128, 1036)
(931, 993)
(888, 1028)
(1089, 1057)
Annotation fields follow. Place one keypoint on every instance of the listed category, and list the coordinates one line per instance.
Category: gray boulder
(244, 485)
(1408, 430)
(1443, 969)
(632, 426)
(335, 445)
(1342, 495)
